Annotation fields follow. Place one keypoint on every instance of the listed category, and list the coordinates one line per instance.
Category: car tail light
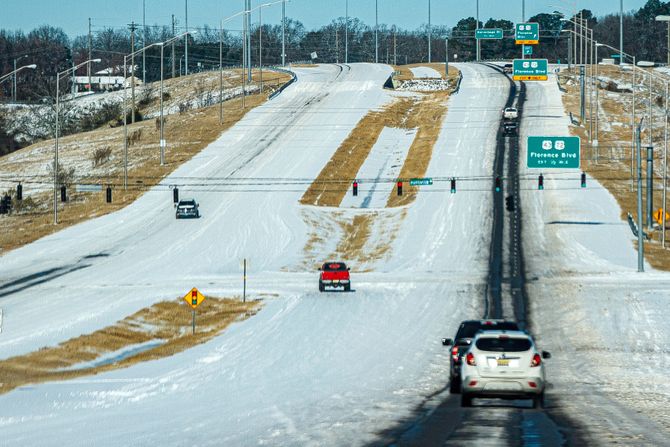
(532, 384)
(454, 353)
(537, 360)
(472, 383)
(470, 359)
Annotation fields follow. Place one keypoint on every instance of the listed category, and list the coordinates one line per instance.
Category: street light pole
(478, 48)
(283, 33)
(221, 75)
(186, 38)
(430, 36)
(346, 32)
(55, 165)
(376, 32)
(640, 230)
(665, 163)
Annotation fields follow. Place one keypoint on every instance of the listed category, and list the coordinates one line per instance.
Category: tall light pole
(248, 8)
(478, 47)
(144, 41)
(430, 37)
(125, 109)
(621, 33)
(376, 32)
(13, 73)
(665, 164)
(346, 32)
(667, 20)
(283, 33)
(186, 38)
(55, 166)
(14, 88)
(162, 124)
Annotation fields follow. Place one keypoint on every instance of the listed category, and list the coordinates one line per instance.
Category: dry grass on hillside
(168, 323)
(613, 167)
(187, 134)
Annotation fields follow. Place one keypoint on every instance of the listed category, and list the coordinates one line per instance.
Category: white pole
(144, 41)
(429, 33)
(621, 33)
(377, 31)
(55, 167)
(221, 75)
(346, 32)
(125, 125)
(478, 48)
(665, 163)
(260, 44)
(162, 140)
(283, 33)
(186, 39)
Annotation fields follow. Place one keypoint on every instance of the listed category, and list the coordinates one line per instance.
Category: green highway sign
(489, 33)
(530, 70)
(615, 56)
(528, 50)
(527, 33)
(553, 152)
(421, 181)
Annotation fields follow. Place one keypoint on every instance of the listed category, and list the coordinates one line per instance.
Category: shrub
(101, 155)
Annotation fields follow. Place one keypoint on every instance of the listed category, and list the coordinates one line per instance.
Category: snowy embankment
(603, 321)
(309, 368)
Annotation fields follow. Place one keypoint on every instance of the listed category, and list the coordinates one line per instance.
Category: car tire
(538, 401)
(347, 288)
(321, 287)
(455, 385)
(466, 400)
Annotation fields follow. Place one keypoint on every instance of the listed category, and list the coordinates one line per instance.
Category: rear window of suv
(334, 267)
(470, 329)
(505, 344)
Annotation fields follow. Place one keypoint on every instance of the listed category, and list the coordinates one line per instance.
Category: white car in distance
(505, 365)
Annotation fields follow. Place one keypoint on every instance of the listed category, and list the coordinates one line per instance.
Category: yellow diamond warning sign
(194, 298)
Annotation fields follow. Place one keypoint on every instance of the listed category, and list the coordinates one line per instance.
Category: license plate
(335, 281)
(503, 362)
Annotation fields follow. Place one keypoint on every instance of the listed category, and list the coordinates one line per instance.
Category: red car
(334, 274)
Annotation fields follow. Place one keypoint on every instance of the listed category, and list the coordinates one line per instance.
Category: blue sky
(72, 15)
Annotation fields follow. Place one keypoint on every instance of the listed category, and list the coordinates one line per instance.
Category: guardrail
(293, 79)
(458, 83)
(560, 87)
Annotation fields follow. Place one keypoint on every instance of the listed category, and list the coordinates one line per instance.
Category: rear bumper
(502, 387)
(335, 282)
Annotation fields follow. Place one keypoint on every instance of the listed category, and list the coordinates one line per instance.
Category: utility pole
(260, 43)
(186, 38)
(478, 48)
(248, 9)
(144, 41)
(173, 55)
(377, 30)
(650, 187)
(640, 231)
(446, 58)
(221, 74)
(621, 34)
(429, 33)
(283, 33)
(90, 49)
(395, 46)
(133, 27)
(346, 32)
(337, 47)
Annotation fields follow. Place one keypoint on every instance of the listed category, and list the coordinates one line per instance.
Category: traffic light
(583, 180)
(399, 188)
(175, 194)
(453, 186)
(63, 194)
(498, 184)
(355, 188)
(19, 192)
(509, 203)
(540, 182)
(109, 194)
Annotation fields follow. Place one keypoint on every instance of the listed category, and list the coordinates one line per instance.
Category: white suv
(503, 364)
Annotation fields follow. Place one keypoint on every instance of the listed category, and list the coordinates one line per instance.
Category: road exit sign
(489, 33)
(553, 152)
(527, 33)
(530, 69)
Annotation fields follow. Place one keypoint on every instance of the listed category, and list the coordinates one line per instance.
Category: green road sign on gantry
(528, 50)
(489, 33)
(421, 181)
(527, 33)
(530, 69)
(553, 152)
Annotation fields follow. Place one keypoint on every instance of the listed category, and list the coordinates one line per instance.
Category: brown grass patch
(168, 322)
(356, 234)
(187, 134)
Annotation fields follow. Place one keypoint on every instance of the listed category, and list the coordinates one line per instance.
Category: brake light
(470, 359)
(537, 360)
(454, 353)
(532, 384)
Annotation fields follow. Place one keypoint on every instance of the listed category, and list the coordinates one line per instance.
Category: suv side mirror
(348, 268)
(447, 342)
(546, 355)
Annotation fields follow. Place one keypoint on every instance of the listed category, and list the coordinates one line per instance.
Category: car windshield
(503, 344)
(470, 329)
(187, 203)
(334, 266)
